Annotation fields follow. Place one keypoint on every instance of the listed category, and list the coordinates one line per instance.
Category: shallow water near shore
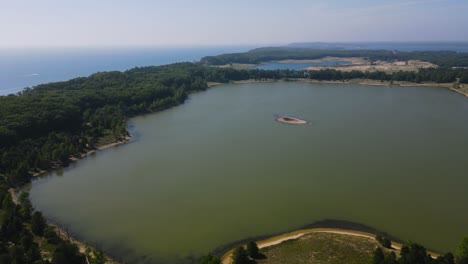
(219, 168)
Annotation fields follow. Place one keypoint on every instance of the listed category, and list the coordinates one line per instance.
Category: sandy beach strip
(275, 240)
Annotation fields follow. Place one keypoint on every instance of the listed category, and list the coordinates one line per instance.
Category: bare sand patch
(385, 66)
(291, 120)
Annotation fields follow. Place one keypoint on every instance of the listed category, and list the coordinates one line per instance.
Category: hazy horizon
(207, 46)
(181, 23)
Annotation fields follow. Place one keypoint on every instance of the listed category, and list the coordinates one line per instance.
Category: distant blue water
(297, 66)
(26, 68)
(400, 46)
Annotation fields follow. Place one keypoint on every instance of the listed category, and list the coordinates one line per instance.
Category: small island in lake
(291, 120)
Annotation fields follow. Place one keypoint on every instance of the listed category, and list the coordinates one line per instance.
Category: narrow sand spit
(291, 120)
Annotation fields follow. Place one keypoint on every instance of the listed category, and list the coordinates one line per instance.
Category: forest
(443, 59)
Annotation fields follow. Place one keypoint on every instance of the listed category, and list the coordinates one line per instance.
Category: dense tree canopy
(239, 256)
(462, 251)
(411, 253)
(210, 259)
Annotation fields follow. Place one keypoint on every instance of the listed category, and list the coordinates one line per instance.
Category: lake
(219, 168)
(297, 65)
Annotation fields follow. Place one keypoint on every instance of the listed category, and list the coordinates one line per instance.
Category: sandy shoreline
(83, 155)
(460, 92)
(118, 142)
(291, 120)
(275, 240)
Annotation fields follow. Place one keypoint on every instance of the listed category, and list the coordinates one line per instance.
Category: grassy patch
(47, 249)
(322, 248)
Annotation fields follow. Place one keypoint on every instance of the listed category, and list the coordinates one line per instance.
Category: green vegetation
(462, 252)
(330, 248)
(38, 224)
(384, 241)
(321, 248)
(255, 56)
(23, 239)
(240, 256)
(210, 259)
(438, 75)
(252, 250)
(411, 253)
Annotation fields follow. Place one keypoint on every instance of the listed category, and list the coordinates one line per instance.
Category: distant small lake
(219, 168)
(298, 66)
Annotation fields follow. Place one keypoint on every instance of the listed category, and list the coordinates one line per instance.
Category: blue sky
(26, 23)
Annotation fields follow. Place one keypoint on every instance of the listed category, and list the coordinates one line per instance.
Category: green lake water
(219, 168)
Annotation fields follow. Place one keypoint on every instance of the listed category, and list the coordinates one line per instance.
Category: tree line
(413, 253)
(25, 237)
(436, 75)
(443, 59)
